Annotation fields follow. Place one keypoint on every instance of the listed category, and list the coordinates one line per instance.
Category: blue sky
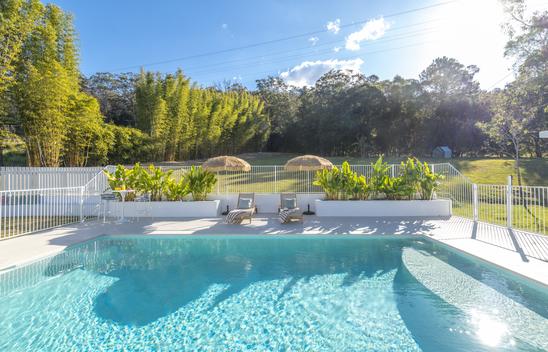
(123, 35)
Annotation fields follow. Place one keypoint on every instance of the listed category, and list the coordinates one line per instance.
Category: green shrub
(176, 191)
(414, 180)
(152, 181)
(121, 179)
(200, 182)
(341, 184)
(380, 171)
(428, 181)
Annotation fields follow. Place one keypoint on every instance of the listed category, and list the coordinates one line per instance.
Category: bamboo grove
(43, 99)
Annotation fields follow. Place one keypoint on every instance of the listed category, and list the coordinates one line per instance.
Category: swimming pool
(237, 293)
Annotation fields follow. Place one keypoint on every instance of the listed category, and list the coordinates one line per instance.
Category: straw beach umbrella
(308, 163)
(226, 163)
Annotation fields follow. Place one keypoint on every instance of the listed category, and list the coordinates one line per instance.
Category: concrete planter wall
(190, 209)
(269, 202)
(384, 208)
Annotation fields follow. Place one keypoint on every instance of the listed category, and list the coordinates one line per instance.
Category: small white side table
(123, 193)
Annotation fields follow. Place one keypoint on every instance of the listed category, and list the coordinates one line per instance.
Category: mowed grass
(482, 170)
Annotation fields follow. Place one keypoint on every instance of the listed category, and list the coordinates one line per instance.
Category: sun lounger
(288, 210)
(244, 211)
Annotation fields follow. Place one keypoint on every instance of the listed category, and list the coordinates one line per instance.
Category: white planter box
(384, 208)
(190, 209)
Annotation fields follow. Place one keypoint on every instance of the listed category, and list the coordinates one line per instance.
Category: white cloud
(308, 72)
(372, 30)
(334, 26)
(313, 40)
(337, 49)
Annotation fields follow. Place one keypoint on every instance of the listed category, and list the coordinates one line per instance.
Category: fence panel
(15, 178)
(27, 211)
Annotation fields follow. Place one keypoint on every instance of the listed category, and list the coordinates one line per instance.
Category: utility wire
(280, 39)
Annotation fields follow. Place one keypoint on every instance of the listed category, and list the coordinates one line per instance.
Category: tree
(116, 95)
(528, 45)
(88, 139)
(17, 21)
(46, 77)
(454, 111)
(281, 106)
(508, 127)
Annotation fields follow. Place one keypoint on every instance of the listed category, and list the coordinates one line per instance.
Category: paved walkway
(515, 251)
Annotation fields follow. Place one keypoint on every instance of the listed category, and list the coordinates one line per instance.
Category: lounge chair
(288, 210)
(245, 209)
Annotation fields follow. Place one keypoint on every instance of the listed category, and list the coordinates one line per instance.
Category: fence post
(475, 201)
(392, 171)
(82, 204)
(509, 203)
(275, 179)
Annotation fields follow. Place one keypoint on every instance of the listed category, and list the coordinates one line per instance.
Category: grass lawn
(485, 170)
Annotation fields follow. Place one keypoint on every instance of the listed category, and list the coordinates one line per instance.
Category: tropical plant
(428, 181)
(380, 171)
(176, 190)
(341, 184)
(330, 182)
(121, 179)
(152, 181)
(395, 188)
(200, 182)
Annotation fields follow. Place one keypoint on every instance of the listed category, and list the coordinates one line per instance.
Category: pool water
(275, 293)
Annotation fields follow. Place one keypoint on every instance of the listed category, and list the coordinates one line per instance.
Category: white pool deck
(508, 249)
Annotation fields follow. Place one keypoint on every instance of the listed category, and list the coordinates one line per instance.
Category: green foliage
(153, 181)
(342, 183)
(428, 181)
(330, 181)
(129, 144)
(415, 180)
(380, 170)
(176, 190)
(395, 188)
(200, 182)
(121, 179)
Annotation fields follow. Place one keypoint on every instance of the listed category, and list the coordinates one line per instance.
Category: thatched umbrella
(226, 163)
(308, 163)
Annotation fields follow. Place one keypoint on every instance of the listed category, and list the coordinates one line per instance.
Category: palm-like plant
(153, 181)
(176, 190)
(200, 182)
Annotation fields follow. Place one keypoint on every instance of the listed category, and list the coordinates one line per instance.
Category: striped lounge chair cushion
(236, 216)
(285, 214)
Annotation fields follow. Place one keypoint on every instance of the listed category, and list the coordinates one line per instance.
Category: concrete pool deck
(521, 253)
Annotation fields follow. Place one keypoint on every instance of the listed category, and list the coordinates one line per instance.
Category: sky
(245, 40)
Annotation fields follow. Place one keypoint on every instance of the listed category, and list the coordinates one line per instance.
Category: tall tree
(46, 77)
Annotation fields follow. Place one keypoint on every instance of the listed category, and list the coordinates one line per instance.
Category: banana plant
(428, 181)
(153, 181)
(380, 171)
(200, 182)
(176, 190)
(330, 182)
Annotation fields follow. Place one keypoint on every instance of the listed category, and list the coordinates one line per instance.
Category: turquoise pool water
(240, 293)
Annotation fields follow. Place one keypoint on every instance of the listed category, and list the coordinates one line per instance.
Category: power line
(500, 80)
(249, 46)
(272, 59)
(260, 73)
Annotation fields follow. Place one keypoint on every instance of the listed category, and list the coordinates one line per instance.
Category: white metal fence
(21, 178)
(76, 195)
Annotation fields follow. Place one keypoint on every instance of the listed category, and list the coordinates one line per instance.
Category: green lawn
(484, 170)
